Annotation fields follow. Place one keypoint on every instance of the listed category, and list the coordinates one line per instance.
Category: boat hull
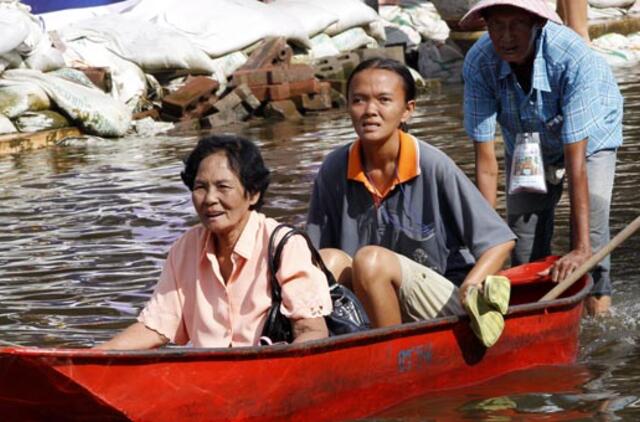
(332, 379)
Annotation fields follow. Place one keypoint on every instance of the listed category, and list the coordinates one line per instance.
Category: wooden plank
(20, 142)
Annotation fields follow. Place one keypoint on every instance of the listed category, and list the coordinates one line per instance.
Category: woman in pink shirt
(214, 288)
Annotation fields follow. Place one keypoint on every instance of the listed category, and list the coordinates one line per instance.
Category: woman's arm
(490, 262)
(309, 329)
(136, 337)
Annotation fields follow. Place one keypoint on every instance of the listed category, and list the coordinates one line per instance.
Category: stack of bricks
(335, 70)
(284, 86)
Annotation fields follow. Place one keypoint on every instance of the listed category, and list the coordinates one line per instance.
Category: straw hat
(473, 18)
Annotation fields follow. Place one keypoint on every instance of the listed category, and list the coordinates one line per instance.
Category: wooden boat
(332, 379)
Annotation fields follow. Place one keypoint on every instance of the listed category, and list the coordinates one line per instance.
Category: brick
(271, 92)
(338, 99)
(311, 86)
(248, 99)
(330, 71)
(395, 52)
(298, 72)
(186, 126)
(154, 113)
(228, 102)
(339, 85)
(200, 110)
(316, 102)
(197, 89)
(273, 50)
(282, 110)
(100, 76)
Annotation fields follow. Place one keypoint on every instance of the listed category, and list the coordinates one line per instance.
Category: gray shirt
(438, 219)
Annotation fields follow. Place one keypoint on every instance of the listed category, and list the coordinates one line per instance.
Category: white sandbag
(20, 98)
(322, 46)
(37, 121)
(612, 41)
(314, 19)
(148, 45)
(128, 80)
(605, 4)
(618, 58)
(11, 60)
(351, 13)
(634, 41)
(73, 75)
(96, 112)
(63, 18)
(14, 27)
(352, 39)
(6, 126)
(231, 25)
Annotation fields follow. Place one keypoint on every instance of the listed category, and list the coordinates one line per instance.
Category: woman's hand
(307, 329)
(136, 337)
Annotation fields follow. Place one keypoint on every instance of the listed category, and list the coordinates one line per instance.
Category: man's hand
(566, 265)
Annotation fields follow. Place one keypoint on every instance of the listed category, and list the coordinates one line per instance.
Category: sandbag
(25, 35)
(605, 4)
(11, 60)
(146, 44)
(14, 27)
(231, 25)
(129, 83)
(37, 121)
(6, 126)
(314, 19)
(20, 98)
(92, 109)
(351, 13)
(322, 46)
(352, 39)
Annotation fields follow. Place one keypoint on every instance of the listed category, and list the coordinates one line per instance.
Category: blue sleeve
(579, 101)
(480, 100)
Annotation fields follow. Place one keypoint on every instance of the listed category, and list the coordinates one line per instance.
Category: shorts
(425, 294)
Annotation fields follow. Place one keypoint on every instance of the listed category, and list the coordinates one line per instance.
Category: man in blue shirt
(533, 75)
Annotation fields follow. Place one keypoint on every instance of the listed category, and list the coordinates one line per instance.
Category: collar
(408, 165)
(540, 78)
(244, 244)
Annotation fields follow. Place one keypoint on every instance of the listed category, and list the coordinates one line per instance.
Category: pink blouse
(192, 303)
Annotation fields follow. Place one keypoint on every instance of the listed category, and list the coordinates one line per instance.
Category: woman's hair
(391, 65)
(244, 159)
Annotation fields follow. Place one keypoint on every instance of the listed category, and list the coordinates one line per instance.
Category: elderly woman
(214, 288)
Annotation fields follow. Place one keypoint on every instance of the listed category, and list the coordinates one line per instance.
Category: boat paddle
(591, 262)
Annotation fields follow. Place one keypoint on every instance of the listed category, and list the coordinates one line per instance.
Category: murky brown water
(84, 229)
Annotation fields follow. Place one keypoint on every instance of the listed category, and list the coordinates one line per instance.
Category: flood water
(84, 228)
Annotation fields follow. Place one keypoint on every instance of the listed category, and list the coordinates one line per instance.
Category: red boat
(338, 378)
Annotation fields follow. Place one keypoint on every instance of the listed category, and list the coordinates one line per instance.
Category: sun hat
(473, 18)
(486, 307)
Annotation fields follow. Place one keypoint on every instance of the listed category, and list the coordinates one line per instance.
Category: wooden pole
(591, 262)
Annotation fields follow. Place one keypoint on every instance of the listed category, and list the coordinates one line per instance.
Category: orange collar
(408, 166)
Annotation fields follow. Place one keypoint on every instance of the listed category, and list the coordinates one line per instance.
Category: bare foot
(597, 306)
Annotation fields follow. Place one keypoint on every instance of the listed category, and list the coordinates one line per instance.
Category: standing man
(534, 75)
(575, 14)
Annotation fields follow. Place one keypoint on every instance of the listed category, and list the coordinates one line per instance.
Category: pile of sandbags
(24, 41)
(619, 50)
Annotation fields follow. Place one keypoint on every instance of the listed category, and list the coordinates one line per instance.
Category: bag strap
(275, 251)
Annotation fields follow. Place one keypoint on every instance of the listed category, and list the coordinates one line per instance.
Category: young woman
(396, 218)
(214, 287)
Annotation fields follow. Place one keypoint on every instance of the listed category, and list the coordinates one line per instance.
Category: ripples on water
(84, 228)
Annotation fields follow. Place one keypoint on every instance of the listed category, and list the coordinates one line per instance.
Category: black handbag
(348, 315)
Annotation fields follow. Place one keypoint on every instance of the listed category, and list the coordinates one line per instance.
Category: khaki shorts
(425, 294)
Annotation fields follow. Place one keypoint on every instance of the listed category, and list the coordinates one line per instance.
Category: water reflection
(84, 228)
